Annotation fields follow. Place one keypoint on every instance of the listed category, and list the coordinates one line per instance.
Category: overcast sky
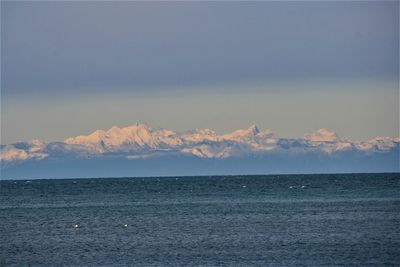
(71, 67)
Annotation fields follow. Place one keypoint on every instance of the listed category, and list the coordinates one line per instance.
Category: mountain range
(131, 151)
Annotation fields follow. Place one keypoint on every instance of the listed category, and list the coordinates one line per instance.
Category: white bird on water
(76, 226)
(125, 225)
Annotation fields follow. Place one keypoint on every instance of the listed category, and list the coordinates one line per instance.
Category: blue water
(296, 220)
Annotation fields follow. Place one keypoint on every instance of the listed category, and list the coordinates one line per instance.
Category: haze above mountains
(140, 150)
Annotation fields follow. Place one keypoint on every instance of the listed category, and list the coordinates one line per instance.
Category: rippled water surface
(297, 220)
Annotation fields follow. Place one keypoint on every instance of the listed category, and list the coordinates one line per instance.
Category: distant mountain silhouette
(139, 150)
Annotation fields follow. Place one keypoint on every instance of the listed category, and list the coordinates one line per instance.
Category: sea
(261, 220)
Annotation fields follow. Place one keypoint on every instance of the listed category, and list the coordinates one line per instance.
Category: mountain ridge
(141, 141)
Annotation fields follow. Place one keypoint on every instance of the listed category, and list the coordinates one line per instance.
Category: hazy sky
(71, 67)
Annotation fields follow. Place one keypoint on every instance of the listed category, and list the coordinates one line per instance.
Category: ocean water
(293, 220)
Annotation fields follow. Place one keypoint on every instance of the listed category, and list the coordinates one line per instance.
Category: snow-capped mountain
(140, 150)
(142, 141)
(134, 138)
(21, 151)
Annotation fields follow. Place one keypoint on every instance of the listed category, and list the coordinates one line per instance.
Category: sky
(68, 68)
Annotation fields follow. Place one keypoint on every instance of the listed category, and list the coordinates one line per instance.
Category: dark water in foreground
(299, 220)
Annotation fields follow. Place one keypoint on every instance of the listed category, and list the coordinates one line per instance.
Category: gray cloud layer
(60, 47)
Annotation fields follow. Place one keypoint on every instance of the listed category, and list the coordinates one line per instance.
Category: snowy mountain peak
(114, 129)
(141, 141)
(322, 135)
(240, 134)
(140, 126)
(265, 134)
(36, 143)
(205, 131)
(97, 133)
(253, 129)
(200, 135)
